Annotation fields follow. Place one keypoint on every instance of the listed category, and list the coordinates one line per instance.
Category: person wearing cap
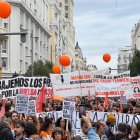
(111, 120)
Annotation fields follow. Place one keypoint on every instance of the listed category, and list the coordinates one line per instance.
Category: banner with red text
(77, 83)
(9, 88)
(113, 85)
(135, 87)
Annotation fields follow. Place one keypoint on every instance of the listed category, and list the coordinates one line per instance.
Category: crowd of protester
(15, 126)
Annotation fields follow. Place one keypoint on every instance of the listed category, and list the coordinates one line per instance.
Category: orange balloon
(56, 69)
(5, 9)
(64, 60)
(106, 57)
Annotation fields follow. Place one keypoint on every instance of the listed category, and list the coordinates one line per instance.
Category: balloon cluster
(64, 60)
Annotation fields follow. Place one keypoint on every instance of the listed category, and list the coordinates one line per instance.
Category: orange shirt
(45, 133)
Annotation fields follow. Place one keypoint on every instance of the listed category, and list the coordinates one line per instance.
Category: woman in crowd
(34, 120)
(46, 129)
(134, 133)
(57, 133)
(65, 127)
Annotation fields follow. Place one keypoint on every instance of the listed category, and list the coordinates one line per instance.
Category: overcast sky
(104, 26)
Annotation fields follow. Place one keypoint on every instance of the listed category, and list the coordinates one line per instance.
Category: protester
(65, 127)
(31, 131)
(46, 129)
(5, 132)
(138, 128)
(111, 120)
(57, 133)
(19, 127)
(87, 132)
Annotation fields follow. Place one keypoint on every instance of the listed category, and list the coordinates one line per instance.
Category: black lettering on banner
(26, 82)
(95, 116)
(135, 119)
(35, 83)
(127, 119)
(136, 89)
(105, 116)
(12, 84)
(31, 83)
(40, 83)
(122, 118)
(50, 115)
(21, 82)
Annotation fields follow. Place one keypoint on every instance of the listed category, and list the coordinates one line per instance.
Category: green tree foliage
(135, 64)
(40, 69)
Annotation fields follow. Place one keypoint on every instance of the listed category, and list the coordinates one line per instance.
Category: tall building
(124, 57)
(80, 61)
(135, 36)
(62, 30)
(30, 15)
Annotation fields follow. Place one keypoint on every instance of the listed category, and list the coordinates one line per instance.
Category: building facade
(80, 61)
(62, 30)
(31, 16)
(124, 57)
(135, 36)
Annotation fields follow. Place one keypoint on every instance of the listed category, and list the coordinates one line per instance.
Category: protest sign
(21, 103)
(9, 88)
(31, 109)
(123, 100)
(135, 87)
(68, 108)
(114, 85)
(76, 83)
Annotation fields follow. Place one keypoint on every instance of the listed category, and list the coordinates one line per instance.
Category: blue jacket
(92, 134)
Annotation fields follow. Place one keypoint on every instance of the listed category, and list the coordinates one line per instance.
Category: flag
(2, 112)
(89, 98)
(41, 98)
(106, 99)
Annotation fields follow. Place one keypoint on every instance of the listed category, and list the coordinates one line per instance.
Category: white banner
(114, 85)
(9, 88)
(135, 87)
(73, 84)
(95, 116)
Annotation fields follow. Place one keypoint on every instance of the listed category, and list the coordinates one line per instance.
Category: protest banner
(21, 103)
(9, 88)
(129, 119)
(31, 109)
(114, 85)
(135, 87)
(73, 84)
(68, 108)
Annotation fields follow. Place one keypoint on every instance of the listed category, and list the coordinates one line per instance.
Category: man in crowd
(19, 129)
(111, 120)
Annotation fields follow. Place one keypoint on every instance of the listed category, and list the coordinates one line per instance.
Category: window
(66, 1)
(4, 62)
(66, 8)
(26, 65)
(66, 15)
(4, 46)
(60, 4)
(6, 25)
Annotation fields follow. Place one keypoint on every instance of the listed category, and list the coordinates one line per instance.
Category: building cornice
(23, 7)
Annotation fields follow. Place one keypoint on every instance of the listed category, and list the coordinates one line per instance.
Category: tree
(40, 69)
(135, 64)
